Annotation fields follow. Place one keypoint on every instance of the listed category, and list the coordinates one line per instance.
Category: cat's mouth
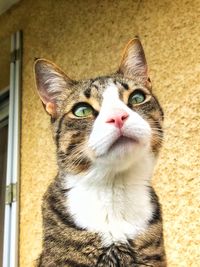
(123, 142)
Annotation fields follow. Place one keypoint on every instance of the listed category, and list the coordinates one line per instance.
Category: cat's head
(113, 121)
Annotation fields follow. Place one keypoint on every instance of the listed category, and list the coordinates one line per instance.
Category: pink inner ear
(51, 109)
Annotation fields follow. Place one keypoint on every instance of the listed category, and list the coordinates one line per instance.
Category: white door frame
(11, 222)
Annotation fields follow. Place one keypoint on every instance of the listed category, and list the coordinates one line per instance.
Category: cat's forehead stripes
(95, 88)
(121, 83)
(107, 91)
(87, 92)
(91, 87)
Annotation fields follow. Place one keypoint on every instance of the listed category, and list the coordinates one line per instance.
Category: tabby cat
(101, 209)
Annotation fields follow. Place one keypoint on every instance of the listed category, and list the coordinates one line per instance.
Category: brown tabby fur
(65, 244)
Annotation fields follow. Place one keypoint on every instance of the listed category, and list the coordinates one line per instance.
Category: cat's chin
(123, 153)
(122, 145)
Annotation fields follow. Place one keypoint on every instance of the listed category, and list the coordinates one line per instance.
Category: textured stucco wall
(4, 62)
(86, 39)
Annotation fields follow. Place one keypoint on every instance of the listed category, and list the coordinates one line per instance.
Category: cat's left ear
(133, 64)
(51, 82)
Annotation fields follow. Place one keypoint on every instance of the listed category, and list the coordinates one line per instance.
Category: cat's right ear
(133, 64)
(51, 81)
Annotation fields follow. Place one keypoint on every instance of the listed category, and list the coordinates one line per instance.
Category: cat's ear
(133, 64)
(51, 81)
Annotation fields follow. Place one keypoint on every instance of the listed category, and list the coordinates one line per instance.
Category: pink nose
(117, 118)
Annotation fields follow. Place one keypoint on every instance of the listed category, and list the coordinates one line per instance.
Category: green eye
(83, 110)
(136, 97)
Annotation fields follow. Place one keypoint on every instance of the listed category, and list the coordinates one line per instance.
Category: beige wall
(86, 39)
(4, 62)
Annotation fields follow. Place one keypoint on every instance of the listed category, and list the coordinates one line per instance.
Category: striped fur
(67, 241)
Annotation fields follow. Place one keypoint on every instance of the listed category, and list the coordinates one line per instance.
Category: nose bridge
(117, 112)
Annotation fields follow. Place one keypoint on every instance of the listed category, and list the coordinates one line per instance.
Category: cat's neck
(101, 175)
(116, 205)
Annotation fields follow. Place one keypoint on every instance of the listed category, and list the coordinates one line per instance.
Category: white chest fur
(118, 208)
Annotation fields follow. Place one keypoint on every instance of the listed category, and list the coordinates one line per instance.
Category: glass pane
(3, 163)
(4, 63)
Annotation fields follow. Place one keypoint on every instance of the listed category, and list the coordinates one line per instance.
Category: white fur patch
(112, 198)
(117, 206)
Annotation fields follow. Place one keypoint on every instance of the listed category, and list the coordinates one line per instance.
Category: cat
(101, 209)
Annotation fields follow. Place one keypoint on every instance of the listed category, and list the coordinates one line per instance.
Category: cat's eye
(136, 97)
(83, 110)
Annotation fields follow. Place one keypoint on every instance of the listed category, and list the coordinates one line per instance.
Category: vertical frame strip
(7, 219)
(11, 222)
(14, 242)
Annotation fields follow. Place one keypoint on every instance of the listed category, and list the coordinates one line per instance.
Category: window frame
(11, 217)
